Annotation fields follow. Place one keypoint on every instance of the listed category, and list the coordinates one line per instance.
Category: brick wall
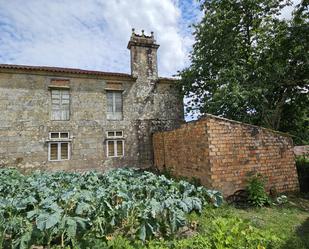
(221, 152)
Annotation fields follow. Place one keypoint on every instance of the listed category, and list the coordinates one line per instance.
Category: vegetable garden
(67, 209)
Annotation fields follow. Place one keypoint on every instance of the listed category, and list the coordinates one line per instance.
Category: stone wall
(222, 152)
(150, 104)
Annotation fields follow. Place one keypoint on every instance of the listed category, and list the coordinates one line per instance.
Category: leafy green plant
(65, 209)
(236, 233)
(257, 195)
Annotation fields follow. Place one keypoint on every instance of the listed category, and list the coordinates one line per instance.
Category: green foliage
(227, 233)
(302, 165)
(250, 65)
(257, 195)
(64, 208)
(236, 233)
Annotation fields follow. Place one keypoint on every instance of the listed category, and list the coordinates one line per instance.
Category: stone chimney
(143, 51)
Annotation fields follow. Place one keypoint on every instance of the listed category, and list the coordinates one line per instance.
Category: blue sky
(93, 34)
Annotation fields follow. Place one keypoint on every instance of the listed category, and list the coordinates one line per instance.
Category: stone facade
(220, 153)
(149, 104)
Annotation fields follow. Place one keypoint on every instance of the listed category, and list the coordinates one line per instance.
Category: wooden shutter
(118, 102)
(114, 105)
(119, 148)
(64, 151)
(60, 104)
(111, 148)
(53, 151)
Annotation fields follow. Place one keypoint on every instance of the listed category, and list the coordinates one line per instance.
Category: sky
(93, 34)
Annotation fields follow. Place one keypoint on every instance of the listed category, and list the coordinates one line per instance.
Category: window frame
(114, 115)
(61, 106)
(114, 138)
(59, 143)
(59, 135)
(115, 148)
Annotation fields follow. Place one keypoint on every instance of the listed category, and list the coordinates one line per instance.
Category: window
(114, 134)
(60, 104)
(114, 105)
(59, 135)
(115, 144)
(59, 151)
(59, 146)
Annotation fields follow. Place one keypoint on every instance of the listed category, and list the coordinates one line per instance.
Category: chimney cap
(142, 40)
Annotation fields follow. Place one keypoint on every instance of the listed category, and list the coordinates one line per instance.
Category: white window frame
(59, 151)
(114, 115)
(59, 141)
(115, 147)
(114, 136)
(59, 135)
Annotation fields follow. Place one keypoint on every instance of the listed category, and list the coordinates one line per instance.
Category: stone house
(71, 119)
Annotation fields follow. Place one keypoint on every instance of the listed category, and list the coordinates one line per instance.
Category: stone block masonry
(221, 152)
(85, 106)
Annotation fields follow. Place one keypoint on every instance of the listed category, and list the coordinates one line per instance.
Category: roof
(63, 70)
(76, 71)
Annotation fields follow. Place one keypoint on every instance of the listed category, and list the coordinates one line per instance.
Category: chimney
(143, 50)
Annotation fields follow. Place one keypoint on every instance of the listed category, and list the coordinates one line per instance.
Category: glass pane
(111, 149)
(118, 102)
(109, 102)
(119, 133)
(54, 135)
(64, 151)
(64, 135)
(119, 148)
(110, 134)
(53, 151)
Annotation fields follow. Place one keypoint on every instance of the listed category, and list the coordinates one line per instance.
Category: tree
(251, 65)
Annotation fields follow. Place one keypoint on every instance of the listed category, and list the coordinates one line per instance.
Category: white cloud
(93, 34)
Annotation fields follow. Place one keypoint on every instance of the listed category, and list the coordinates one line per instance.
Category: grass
(289, 222)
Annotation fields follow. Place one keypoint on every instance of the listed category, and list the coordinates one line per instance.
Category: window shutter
(118, 102)
(64, 151)
(54, 151)
(110, 102)
(119, 148)
(60, 105)
(111, 148)
(114, 105)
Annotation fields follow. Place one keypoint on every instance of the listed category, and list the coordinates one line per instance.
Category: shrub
(257, 195)
(302, 164)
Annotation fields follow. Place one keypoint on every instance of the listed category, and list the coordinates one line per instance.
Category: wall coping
(211, 116)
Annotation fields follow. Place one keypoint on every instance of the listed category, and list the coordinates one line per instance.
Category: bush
(302, 164)
(257, 195)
